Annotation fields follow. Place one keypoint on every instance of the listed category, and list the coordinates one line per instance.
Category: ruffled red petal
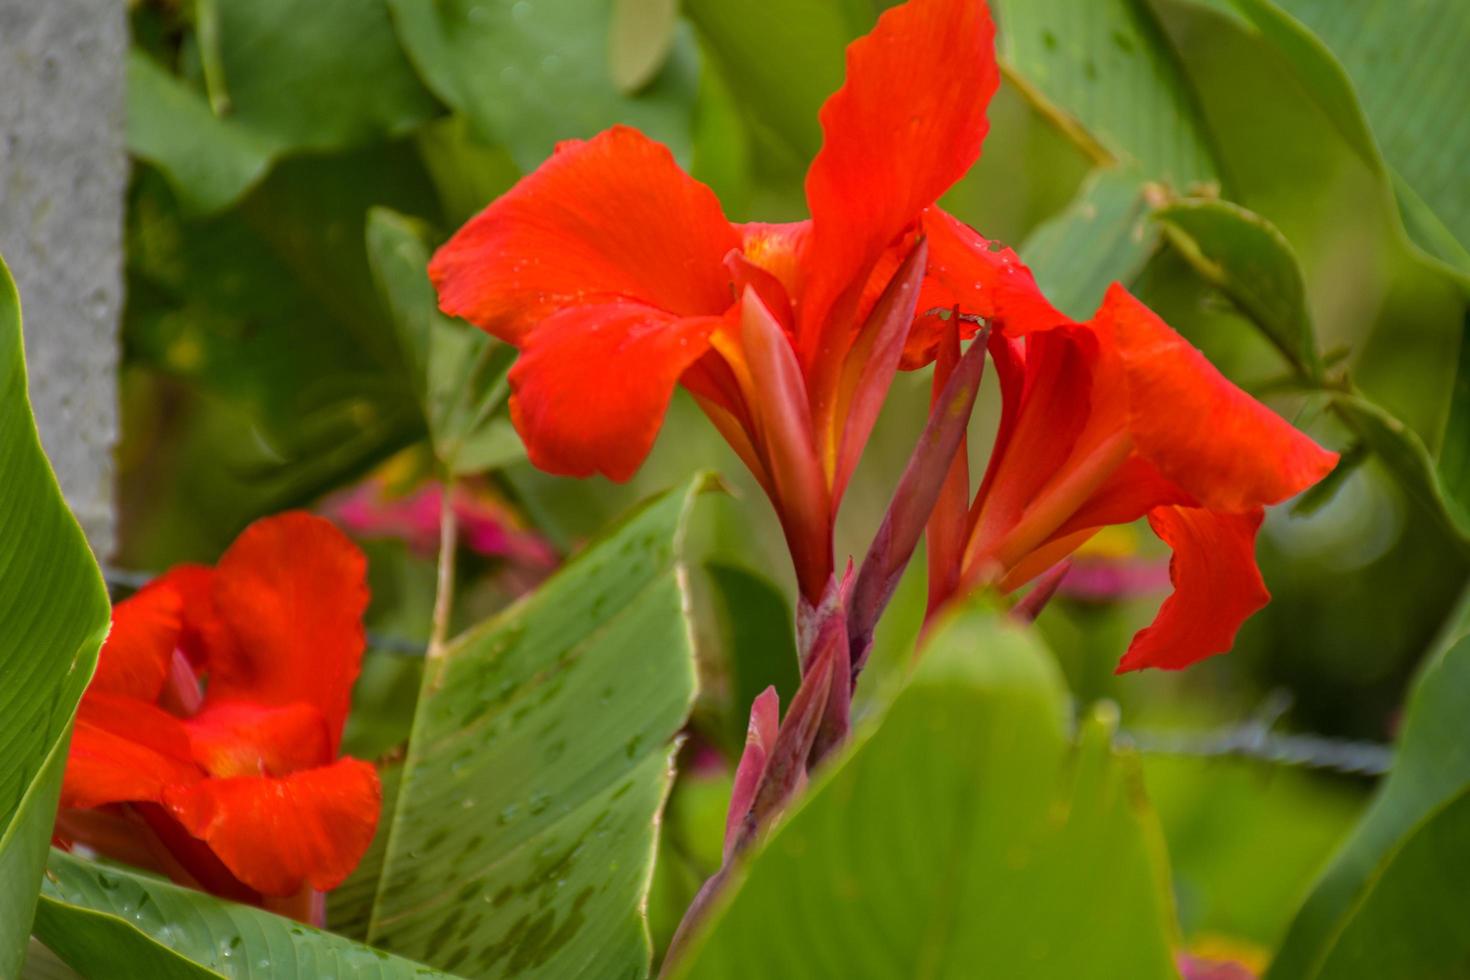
(606, 220)
(1227, 450)
(907, 123)
(1217, 586)
(291, 590)
(275, 835)
(592, 384)
(134, 661)
(237, 738)
(983, 279)
(124, 750)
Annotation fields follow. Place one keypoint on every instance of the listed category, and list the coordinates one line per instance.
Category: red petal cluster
(206, 746)
(619, 277)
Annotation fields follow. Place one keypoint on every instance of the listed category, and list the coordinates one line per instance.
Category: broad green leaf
(1102, 237)
(1406, 124)
(457, 370)
(1406, 66)
(533, 73)
(1250, 261)
(467, 172)
(1105, 72)
(1420, 807)
(782, 59)
(1407, 458)
(281, 76)
(107, 922)
(1411, 920)
(758, 637)
(961, 837)
(53, 616)
(639, 39)
(523, 838)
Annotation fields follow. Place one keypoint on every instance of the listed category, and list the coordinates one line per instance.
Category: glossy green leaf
(1396, 877)
(758, 637)
(782, 59)
(1103, 236)
(1407, 458)
(280, 76)
(523, 838)
(963, 836)
(53, 616)
(1104, 71)
(532, 74)
(458, 370)
(1250, 261)
(107, 922)
(1407, 124)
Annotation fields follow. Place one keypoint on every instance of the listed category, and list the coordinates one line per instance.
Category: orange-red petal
(239, 738)
(907, 123)
(592, 384)
(983, 279)
(1217, 586)
(275, 835)
(124, 750)
(1227, 450)
(612, 218)
(291, 590)
(134, 661)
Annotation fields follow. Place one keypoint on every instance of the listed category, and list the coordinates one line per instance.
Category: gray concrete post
(63, 174)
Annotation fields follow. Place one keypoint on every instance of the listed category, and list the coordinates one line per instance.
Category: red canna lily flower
(619, 277)
(206, 745)
(1103, 423)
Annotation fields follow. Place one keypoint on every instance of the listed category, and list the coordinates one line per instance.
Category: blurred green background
(269, 360)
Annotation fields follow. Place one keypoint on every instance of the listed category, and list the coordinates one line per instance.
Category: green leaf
(782, 58)
(1407, 458)
(1411, 839)
(532, 74)
(1249, 260)
(639, 40)
(759, 639)
(107, 922)
(1454, 452)
(524, 835)
(53, 616)
(1102, 237)
(962, 837)
(458, 370)
(1104, 71)
(281, 76)
(1407, 125)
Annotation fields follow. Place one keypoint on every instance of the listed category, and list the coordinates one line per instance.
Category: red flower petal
(906, 124)
(203, 633)
(1217, 586)
(124, 750)
(291, 590)
(276, 834)
(135, 659)
(1227, 450)
(593, 382)
(609, 219)
(237, 738)
(982, 279)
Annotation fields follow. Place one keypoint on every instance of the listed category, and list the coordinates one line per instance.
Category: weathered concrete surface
(63, 170)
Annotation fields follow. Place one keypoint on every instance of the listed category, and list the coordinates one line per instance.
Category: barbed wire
(1253, 738)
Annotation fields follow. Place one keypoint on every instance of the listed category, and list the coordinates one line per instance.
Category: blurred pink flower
(487, 525)
(1200, 968)
(1107, 578)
